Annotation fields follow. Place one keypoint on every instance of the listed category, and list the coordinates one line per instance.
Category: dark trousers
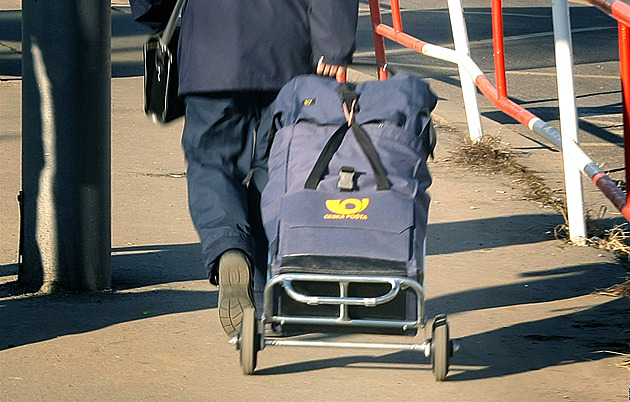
(224, 141)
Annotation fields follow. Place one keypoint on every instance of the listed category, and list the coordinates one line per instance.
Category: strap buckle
(346, 178)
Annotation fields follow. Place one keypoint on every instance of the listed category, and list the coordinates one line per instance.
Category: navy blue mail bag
(350, 199)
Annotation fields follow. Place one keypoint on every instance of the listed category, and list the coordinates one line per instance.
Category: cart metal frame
(252, 337)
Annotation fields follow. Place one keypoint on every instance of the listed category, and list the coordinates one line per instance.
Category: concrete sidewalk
(523, 305)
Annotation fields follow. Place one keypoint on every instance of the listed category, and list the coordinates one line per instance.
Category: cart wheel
(440, 349)
(248, 341)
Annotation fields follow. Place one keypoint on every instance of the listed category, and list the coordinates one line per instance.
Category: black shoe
(235, 290)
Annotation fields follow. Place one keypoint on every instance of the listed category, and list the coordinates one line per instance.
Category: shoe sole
(234, 291)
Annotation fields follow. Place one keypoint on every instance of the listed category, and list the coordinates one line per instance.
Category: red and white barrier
(572, 152)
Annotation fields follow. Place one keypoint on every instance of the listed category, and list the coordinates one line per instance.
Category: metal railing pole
(469, 90)
(379, 41)
(568, 120)
(571, 149)
(396, 17)
(499, 55)
(624, 67)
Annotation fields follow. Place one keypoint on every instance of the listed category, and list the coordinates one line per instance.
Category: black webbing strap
(331, 147)
(368, 149)
(348, 97)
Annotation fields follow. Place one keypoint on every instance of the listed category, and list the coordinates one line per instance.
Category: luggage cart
(252, 339)
(326, 279)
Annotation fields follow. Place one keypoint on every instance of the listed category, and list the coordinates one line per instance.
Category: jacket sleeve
(154, 13)
(333, 25)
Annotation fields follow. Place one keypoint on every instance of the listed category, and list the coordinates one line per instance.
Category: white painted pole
(469, 90)
(568, 120)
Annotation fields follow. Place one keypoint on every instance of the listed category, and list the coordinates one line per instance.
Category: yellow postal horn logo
(350, 208)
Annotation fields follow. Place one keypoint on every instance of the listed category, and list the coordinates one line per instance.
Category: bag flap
(404, 99)
(309, 97)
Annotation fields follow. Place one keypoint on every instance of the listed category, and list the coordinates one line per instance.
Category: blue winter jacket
(228, 45)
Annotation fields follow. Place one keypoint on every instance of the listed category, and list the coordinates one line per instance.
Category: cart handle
(343, 300)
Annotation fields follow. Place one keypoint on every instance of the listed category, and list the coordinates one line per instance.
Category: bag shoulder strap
(331, 147)
(347, 93)
(382, 183)
(329, 150)
(167, 34)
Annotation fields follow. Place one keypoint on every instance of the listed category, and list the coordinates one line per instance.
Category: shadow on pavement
(476, 234)
(581, 336)
(144, 282)
(531, 26)
(553, 285)
(551, 113)
(140, 266)
(126, 47)
(145, 285)
(10, 38)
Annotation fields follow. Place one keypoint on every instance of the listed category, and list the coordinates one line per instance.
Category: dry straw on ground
(491, 155)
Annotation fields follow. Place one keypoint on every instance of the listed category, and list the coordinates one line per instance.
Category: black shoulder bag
(161, 101)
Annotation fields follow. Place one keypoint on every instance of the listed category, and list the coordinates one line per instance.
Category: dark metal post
(66, 152)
